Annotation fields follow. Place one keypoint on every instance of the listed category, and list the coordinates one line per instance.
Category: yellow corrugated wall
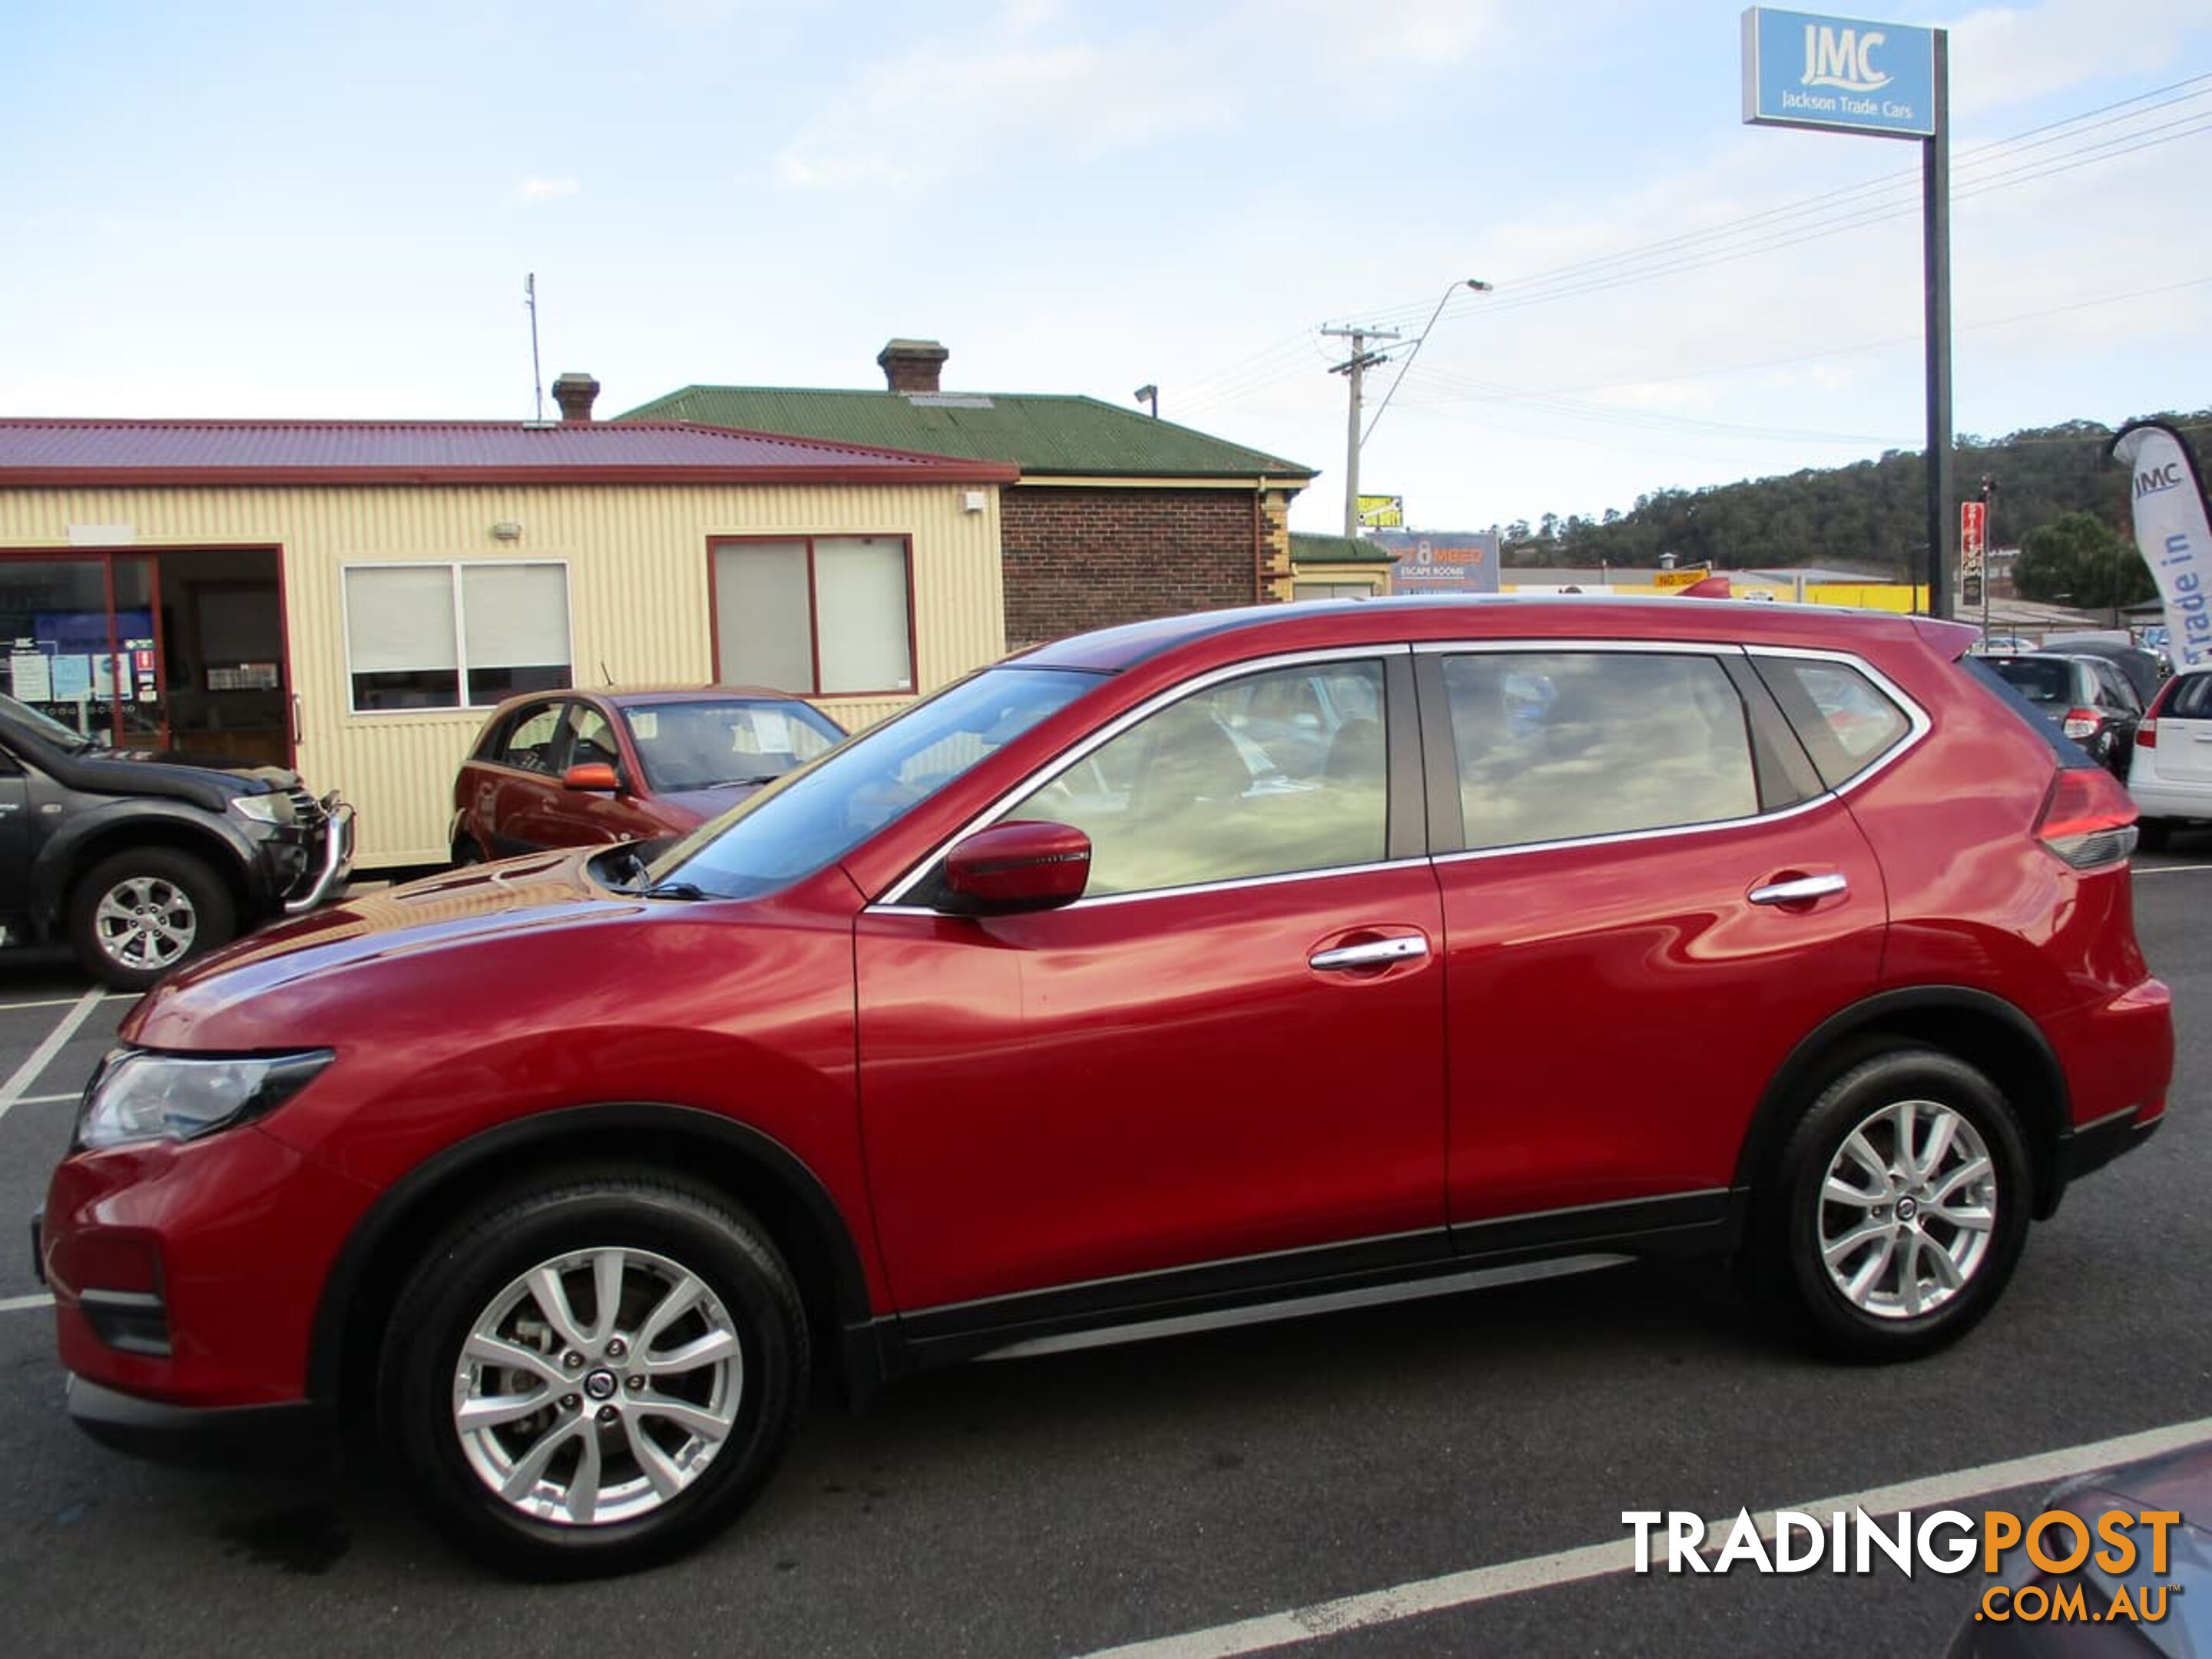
(637, 595)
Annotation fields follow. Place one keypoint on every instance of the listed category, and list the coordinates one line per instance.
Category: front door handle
(1375, 953)
(1801, 890)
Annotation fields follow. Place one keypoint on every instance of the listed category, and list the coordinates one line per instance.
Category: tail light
(2147, 735)
(2087, 818)
(2080, 723)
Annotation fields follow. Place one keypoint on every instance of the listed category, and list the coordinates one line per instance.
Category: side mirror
(1026, 865)
(594, 777)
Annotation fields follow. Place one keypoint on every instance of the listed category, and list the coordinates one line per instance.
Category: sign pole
(1892, 79)
(1936, 260)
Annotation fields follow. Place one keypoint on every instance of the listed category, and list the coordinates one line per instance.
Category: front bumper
(326, 875)
(187, 1276)
(300, 1436)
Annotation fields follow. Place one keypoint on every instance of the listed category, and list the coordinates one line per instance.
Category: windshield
(67, 738)
(696, 746)
(815, 815)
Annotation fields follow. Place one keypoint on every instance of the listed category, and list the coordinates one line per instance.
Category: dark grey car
(2085, 697)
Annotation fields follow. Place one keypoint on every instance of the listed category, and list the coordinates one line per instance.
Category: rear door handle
(1798, 890)
(1372, 954)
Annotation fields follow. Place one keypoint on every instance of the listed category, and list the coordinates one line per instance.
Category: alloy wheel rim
(1908, 1206)
(597, 1386)
(145, 921)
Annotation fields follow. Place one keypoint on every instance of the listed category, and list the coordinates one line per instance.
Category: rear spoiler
(1952, 639)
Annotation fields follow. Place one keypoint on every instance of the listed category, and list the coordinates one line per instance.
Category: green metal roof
(1042, 433)
(1338, 550)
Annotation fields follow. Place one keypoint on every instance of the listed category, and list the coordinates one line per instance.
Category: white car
(2170, 778)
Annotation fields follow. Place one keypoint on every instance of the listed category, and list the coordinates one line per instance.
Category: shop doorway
(176, 650)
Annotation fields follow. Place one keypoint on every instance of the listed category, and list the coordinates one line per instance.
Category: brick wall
(1082, 558)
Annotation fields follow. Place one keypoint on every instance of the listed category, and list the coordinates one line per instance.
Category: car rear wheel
(1900, 1207)
(2153, 834)
(135, 915)
(593, 1377)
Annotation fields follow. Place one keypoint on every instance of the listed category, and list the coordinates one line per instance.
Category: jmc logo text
(1842, 57)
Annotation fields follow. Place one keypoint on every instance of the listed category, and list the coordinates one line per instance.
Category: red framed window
(822, 616)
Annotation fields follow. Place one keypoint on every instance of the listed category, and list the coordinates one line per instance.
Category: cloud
(546, 189)
(1031, 79)
(2007, 55)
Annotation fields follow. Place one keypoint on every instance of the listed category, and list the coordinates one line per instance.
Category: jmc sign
(1800, 71)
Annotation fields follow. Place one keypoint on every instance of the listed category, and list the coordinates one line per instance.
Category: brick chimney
(574, 392)
(912, 365)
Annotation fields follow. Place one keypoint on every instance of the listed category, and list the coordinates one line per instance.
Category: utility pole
(1355, 367)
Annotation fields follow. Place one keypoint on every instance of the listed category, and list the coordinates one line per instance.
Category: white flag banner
(2171, 531)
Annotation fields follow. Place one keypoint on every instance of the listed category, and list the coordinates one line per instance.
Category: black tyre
(1898, 1207)
(135, 915)
(467, 852)
(2153, 834)
(594, 1375)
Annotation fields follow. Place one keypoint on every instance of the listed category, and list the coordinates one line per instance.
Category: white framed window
(823, 616)
(455, 635)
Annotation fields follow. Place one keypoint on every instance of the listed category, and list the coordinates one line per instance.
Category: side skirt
(1296, 1283)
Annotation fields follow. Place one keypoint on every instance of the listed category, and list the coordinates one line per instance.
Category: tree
(2078, 559)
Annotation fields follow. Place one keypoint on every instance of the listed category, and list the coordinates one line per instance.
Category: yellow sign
(1382, 512)
(1688, 576)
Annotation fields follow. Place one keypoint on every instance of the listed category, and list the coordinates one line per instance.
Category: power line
(1769, 230)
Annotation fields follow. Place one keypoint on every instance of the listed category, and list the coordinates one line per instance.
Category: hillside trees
(1869, 514)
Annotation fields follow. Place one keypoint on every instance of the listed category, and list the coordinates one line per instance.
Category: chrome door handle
(1797, 891)
(1372, 954)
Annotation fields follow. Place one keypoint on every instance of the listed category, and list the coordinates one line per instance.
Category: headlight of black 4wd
(137, 1095)
(274, 807)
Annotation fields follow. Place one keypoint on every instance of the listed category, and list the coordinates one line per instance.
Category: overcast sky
(301, 209)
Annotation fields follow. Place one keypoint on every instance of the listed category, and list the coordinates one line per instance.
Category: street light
(1477, 285)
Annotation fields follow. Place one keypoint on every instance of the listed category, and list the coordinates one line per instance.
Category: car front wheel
(593, 1377)
(1903, 1205)
(135, 915)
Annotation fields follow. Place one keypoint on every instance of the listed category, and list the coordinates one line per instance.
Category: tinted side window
(1845, 721)
(1274, 773)
(531, 739)
(2192, 699)
(1554, 745)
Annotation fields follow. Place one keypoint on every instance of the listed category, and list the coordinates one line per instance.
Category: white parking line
(47, 1100)
(2170, 869)
(68, 1002)
(25, 1303)
(1295, 1625)
(42, 1056)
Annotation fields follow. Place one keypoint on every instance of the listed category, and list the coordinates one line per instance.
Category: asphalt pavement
(1159, 1493)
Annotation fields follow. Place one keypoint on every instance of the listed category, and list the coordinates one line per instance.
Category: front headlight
(137, 1095)
(274, 807)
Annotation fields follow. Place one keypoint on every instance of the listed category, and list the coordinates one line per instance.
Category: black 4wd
(142, 860)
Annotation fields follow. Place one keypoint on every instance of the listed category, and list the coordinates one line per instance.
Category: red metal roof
(36, 453)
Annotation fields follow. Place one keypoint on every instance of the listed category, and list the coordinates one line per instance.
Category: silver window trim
(1920, 726)
(1522, 643)
(893, 900)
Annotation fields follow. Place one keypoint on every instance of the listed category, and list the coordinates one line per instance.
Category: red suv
(1166, 973)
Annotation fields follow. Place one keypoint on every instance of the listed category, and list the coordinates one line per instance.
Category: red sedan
(586, 769)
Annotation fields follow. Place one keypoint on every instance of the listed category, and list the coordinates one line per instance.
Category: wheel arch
(64, 861)
(732, 1159)
(1983, 1030)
